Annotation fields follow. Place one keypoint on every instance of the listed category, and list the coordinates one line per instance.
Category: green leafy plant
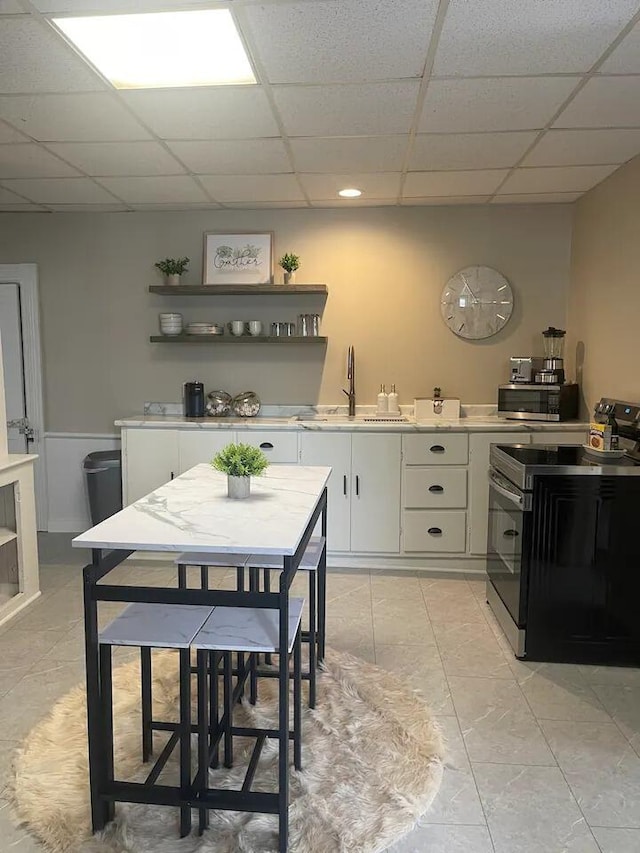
(289, 262)
(240, 460)
(173, 266)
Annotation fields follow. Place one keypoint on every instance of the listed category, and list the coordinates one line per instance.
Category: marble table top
(193, 513)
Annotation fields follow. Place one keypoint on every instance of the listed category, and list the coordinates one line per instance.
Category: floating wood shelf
(240, 290)
(7, 535)
(237, 339)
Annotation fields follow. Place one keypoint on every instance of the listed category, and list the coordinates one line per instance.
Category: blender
(552, 372)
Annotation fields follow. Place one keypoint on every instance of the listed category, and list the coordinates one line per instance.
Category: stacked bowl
(170, 324)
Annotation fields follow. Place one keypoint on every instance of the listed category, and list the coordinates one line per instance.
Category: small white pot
(289, 277)
(238, 487)
(173, 280)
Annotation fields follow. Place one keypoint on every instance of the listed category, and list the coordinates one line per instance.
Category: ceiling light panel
(496, 37)
(34, 59)
(164, 49)
(493, 103)
(350, 110)
(350, 41)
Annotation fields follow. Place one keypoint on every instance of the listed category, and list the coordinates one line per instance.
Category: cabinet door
(279, 446)
(375, 495)
(560, 437)
(478, 515)
(196, 446)
(149, 460)
(334, 449)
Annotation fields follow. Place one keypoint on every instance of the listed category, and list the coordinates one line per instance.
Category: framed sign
(238, 258)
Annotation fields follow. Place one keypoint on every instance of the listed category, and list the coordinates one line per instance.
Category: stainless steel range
(563, 559)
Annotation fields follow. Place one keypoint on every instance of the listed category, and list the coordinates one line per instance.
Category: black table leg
(283, 708)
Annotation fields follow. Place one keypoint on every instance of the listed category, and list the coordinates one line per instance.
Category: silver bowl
(246, 405)
(218, 404)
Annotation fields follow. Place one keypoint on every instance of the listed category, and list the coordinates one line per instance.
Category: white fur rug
(372, 758)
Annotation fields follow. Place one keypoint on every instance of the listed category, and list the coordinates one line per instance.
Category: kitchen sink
(356, 419)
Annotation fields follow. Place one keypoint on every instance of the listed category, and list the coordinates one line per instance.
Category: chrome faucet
(351, 376)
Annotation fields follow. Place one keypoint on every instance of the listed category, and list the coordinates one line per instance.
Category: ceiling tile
(9, 135)
(349, 154)
(89, 208)
(264, 205)
(176, 188)
(234, 157)
(10, 7)
(32, 161)
(351, 41)
(7, 197)
(351, 110)
(176, 205)
(224, 112)
(604, 102)
(112, 7)
(118, 158)
(381, 185)
(451, 200)
(21, 208)
(536, 198)
(337, 203)
(480, 182)
(556, 179)
(244, 188)
(625, 59)
(71, 118)
(510, 103)
(584, 147)
(496, 37)
(35, 59)
(60, 190)
(469, 150)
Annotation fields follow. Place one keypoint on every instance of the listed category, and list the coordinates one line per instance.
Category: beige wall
(385, 268)
(604, 306)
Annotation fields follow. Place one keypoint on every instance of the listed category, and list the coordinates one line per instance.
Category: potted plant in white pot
(240, 462)
(289, 264)
(172, 269)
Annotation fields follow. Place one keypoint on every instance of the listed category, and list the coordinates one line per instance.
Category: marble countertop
(193, 513)
(481, 423)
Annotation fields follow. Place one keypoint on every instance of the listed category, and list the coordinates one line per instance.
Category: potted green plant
(240, 462)
(289, 264)
(172, 269)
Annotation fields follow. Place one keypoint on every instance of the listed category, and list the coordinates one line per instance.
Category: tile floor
(543, 758)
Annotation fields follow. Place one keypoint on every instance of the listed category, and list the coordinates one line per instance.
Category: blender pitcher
(553, 355)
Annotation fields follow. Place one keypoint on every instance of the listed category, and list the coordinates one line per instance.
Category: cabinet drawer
(435, 488)
(278, 446)
(440, 531)
(436, 449)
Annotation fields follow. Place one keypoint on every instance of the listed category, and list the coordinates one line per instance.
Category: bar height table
(192, 513)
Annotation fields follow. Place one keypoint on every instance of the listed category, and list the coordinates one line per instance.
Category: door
(196, 446)
(334, 449)
(150, 459)
(13, 360)
(375, 495)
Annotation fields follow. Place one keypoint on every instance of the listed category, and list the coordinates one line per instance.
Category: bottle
(393, 401)
(614, 438)
(383, 401)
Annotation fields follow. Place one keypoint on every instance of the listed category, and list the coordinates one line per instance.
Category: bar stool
(315, 635)
(166, 626)
(207, 561)
(240, 630)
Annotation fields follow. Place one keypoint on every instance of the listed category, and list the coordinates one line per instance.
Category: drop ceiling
(416, 102)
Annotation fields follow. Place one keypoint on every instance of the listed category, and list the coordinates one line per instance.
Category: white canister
(171, 324)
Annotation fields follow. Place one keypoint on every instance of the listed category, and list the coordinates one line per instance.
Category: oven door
(509, 532)
(528, 402)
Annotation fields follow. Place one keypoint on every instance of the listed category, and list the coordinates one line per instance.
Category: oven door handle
(520, 500)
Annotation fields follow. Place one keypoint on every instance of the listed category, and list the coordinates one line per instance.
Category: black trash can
(103, 472)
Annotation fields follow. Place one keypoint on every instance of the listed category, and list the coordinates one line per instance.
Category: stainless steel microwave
(538, 402)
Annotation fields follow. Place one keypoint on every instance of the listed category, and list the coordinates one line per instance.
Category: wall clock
(476, 302)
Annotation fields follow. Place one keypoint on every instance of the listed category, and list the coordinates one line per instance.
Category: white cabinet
(279, 446)
(375, 493)
(578, 437)
(364, 488)
(150, 459)
(196, 446)
(436, 448)
(479, 444)
(334, 449)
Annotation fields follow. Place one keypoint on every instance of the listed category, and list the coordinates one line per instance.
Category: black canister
(194, 399)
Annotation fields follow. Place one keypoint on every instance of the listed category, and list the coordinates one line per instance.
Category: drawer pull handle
(437, 489)
(436, 448)
(357, 486)
(266, 445)
(511, 533)
(435, 531)
(344, 485)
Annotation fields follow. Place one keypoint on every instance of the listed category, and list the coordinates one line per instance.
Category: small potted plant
(240, 462)
(289, 264)
(172, 269)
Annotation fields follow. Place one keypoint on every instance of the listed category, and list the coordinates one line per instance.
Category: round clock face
(476, 302)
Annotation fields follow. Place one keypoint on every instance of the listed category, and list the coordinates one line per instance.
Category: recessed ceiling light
(162, 49)
(350, 192)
